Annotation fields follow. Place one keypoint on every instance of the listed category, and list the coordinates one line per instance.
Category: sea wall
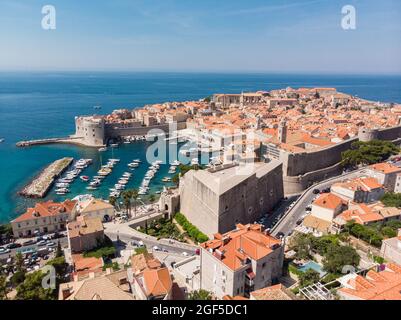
(115, 131)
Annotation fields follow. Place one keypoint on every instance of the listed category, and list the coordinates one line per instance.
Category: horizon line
(261, 72)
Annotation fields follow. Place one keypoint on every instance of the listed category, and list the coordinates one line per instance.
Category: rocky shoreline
(40, 186)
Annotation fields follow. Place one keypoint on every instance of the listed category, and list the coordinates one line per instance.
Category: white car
(185, 254)
(4, 250)
(156, 248)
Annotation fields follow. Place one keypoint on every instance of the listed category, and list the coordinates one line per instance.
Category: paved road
(126, 234)
(13, 252)
(289, 220)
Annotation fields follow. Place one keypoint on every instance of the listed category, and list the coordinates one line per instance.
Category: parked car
(41, 243)
(316, 191)
(280, 235)
(185, 254)
(156, 248)
(13, 246)
(4, 250)
(28, 243)
(51, 244)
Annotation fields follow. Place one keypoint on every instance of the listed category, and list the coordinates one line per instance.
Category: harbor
(40, 186)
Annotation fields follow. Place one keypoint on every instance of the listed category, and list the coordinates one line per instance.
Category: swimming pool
(314, 266)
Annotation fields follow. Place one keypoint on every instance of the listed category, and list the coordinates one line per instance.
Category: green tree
(19, 262)
(113, 201)
(59, 250)
(135, 196)
(176, 179)
(392, 199)
(6, 230)
(61, 268)
(337, 257)
(32, 289)
(126, 195)
(3, 288)
(309, 277)
(366, 153)
(302, 245)
(152, 198)
(200, 295)
(17, 278)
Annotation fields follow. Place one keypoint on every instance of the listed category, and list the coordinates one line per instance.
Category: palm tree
(126, 195)
(152, 198)
(134, 196)
(113, 201)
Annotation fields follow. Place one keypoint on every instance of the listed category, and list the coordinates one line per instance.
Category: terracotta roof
(383, 285)
(157, 282)
(84, 225)
(141, 262)
(100, 288)
(329, 201)
(316, 223)
(385, 168)
(277, 292)
(47, 209)
(95, 205)
(247, 242)
(84, 265)
(360, 213)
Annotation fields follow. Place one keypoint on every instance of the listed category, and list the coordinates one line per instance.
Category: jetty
(29, 143)
(41, 185)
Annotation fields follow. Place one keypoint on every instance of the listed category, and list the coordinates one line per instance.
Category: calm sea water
(40, 105)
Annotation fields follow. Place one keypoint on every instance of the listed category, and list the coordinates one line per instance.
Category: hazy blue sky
(207, 35)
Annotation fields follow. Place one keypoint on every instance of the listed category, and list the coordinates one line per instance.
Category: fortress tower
(282, 131)
(91, 129)
(367, 134)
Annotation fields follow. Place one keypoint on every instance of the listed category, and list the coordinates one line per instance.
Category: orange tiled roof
(157, 282)
(383, 285)
(385, 168)
(46, 209)
(247, 242)
(329, 201)
(361, 214)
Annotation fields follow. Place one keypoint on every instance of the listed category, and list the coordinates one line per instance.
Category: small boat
(102, 149)
(176, 163)
(97, 107)
(133, 165)
(91, 188)
(62, 185)
(137, 160)
(84, 178)
(65, 190)
(2, 140)
(166, 179)
(114, 145)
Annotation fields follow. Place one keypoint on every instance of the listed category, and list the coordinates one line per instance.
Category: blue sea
(41, 105)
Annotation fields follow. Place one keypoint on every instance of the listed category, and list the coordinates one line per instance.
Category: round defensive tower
(367, 134)
(91, 130)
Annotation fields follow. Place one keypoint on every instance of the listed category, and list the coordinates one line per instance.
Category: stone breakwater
(39, 187)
